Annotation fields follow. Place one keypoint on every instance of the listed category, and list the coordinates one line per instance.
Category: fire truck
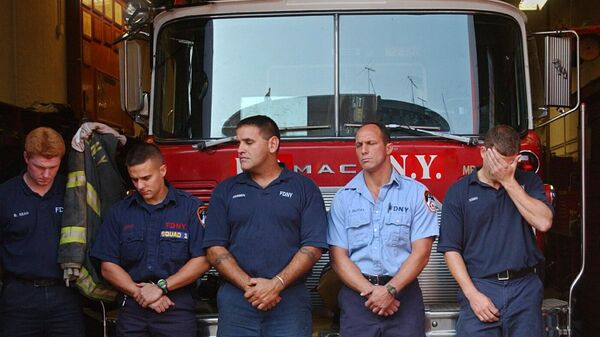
(438, 74)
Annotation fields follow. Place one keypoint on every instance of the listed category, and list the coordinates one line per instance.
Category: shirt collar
(54, 189)
(358, 182)
(473, 178)
(169, 198)
(245, 178)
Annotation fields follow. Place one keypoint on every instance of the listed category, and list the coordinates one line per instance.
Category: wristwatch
(391, 290)
(162, 284)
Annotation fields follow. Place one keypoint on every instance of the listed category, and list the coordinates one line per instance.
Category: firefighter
(381, 229)
(265, 229)
(34, 300)
(150, 248)
(489, 245)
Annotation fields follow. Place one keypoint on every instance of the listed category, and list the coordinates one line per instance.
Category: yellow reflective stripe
(89, 288)
(76, 179)
(72, 234)
(92, 199)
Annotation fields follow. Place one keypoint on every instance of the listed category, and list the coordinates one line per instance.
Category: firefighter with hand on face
(489, 244)
(150, 248)
(381, 229)
(34, 300)
(265, 229)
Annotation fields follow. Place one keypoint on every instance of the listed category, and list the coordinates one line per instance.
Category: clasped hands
(380, 301)
(149, 295)
(263, 293)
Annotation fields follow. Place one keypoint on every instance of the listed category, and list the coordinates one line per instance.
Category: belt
(378, 280)
(41, 282)
(511, 274)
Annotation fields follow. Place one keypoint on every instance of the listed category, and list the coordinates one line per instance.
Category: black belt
(511, 274)
(378, 280)
(41, 282)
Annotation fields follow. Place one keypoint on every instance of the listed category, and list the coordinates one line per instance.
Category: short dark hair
(268, 128)
(141, 153)
(504, 139)
(385, 132)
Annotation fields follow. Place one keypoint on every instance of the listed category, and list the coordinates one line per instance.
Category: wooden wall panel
(94, 62)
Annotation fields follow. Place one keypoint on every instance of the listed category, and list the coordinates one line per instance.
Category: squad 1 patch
(174, 234)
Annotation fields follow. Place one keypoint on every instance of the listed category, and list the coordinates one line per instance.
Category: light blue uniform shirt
(378, 233)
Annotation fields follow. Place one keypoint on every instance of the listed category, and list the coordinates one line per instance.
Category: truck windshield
(454, 73)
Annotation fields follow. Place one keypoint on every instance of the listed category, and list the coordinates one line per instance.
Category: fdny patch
(201, 213)
(181, 235)
(430, 201)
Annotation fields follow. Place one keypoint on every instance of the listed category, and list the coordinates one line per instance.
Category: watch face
(391, 290)
(161, 283)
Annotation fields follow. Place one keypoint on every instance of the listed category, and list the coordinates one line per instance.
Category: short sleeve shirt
(30, 228)
(378, 233)
(485, 226)
(263, 228)
(151, 241)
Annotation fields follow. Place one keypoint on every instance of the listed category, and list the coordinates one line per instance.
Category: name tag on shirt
(174, 234)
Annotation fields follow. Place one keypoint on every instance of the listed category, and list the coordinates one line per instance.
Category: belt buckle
(503, 276)
(377, 280)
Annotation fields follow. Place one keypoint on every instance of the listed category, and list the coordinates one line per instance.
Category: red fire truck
(439, 74)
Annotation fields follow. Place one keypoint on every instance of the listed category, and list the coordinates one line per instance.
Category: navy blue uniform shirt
(30, 228)
(485, 226)
(264, 228)
(151, 241)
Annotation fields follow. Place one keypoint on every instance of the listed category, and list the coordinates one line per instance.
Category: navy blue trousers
(520, 305)
(179, 320)
(290, 318)
(28, 311)
(356, 320)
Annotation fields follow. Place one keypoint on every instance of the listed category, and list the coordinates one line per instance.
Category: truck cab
(438, 74)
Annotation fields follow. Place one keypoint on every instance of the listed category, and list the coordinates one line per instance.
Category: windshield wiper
(205, 144)
(291, 128)
(471, 141)
(304, 128)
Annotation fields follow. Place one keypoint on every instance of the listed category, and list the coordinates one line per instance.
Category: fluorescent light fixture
(531, 5)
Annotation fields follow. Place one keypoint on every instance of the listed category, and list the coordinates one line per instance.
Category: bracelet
(280, 280)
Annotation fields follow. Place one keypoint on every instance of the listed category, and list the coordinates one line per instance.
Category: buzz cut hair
(385, 132)
(143, 152)
(268, 128)
(44, 142)
(504, 139)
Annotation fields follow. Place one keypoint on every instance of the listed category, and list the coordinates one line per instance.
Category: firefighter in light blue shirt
(381, 229)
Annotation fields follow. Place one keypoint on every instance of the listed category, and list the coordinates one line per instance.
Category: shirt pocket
(19, 228)
(396, 230)
(359, 232)
(174, 250)
(132, 248)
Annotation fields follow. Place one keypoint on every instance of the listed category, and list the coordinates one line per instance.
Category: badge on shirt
(430, 201)
(181, 235)
(201, 213)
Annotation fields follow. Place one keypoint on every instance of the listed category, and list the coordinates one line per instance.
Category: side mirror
(557, 71)
(130, 66)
